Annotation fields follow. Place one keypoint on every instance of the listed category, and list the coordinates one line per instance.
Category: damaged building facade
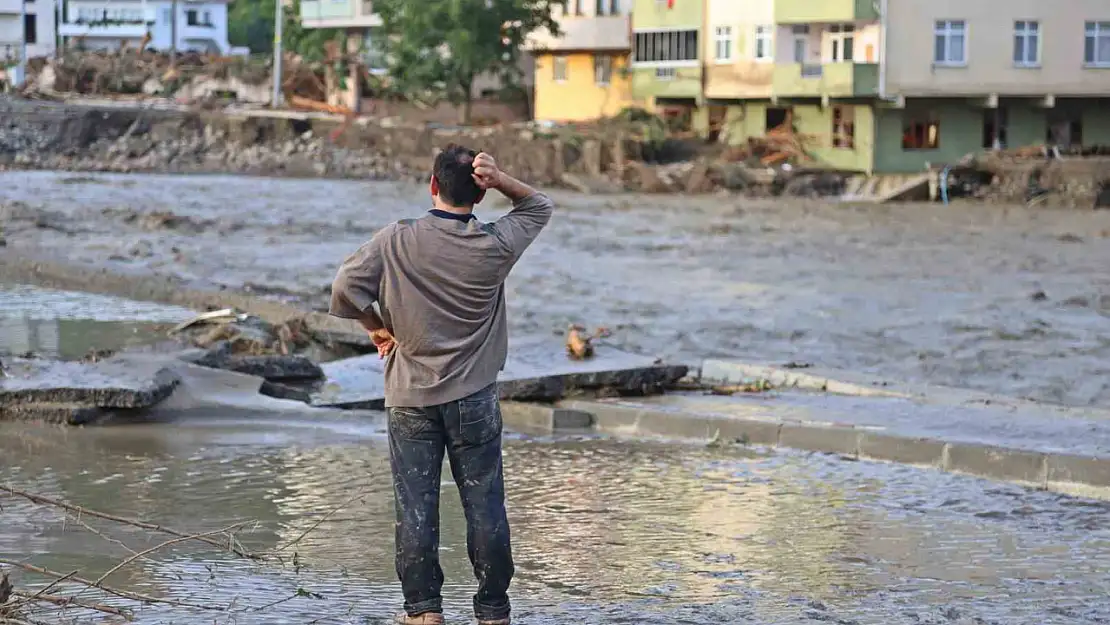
(887, 86)
(106, 25)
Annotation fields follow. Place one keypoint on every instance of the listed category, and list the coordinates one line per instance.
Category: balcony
(666, 82)
(835, 80)
(128, 30)
(338, 14)
(825, 11)
(610, 32)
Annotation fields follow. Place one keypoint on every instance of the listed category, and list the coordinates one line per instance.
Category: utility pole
(279, 10)
(173, 33)
(23, 41)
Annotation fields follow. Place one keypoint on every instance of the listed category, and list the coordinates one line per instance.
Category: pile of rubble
(1037, 175)
(188, 77)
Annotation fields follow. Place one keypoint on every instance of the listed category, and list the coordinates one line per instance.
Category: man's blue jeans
(469, 430)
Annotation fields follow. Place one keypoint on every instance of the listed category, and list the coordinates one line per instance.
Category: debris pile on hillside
(189, 78)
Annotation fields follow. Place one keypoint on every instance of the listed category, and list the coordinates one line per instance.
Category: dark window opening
(30, 28)
(995, 123)
(191, 18)
(773, 117)
(844, 127)
(921, 134)
(1064, 133)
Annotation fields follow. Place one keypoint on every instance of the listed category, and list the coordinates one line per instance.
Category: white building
(39, 24)
(105, 24)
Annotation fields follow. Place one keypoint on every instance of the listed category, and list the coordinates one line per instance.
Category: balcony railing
(105, 29)
(824, 11)
(838, 80)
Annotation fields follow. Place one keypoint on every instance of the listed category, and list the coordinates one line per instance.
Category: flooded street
(604, 531)
(1011, 300)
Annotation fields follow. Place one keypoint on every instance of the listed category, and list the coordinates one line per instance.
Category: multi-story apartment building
(667, 54)
(35, 18)
(107, 24)
(583, 74)
(964, 76)
(882, 85)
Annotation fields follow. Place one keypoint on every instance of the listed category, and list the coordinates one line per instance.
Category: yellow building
(583, 74)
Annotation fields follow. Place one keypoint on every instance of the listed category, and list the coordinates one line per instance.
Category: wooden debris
(579, 344)
(758, 386)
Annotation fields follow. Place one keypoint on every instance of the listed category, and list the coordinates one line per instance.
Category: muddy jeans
(470, 432)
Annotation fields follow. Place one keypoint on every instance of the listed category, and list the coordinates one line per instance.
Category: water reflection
(604, 531)
(67, 325)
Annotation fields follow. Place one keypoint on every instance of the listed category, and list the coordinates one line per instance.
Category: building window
(722, 37)
(1027, 43)
(191, 18)
(843, 38)
(844, 127)
(763, 43)
(921, 134)
(1096, 47)
(600, 8)
(578, 7)
(603, 69)
(801, 42)
(559, 69)
(950, 43)
(614, 7)
(30, 28)
(666, 47)
(665, 73)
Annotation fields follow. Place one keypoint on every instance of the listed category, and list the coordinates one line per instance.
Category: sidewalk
(1041, 446)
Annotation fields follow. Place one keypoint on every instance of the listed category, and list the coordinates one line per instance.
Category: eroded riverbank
(1007, 300)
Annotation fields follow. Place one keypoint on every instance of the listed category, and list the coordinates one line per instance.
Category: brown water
(929, 293)
(604, 531)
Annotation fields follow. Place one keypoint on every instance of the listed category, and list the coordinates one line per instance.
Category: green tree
(441, 46)
(251, 24)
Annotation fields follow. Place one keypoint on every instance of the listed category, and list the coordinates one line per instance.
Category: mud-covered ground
(1002, 299)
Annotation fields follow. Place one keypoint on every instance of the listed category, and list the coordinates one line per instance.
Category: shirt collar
(456, 216)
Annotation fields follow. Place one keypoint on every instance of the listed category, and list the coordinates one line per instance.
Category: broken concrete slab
(112, 383)
(537, 370)
(54, 414)
(270, 367)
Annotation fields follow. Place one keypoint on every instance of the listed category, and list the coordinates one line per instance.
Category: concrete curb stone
(1064, 473)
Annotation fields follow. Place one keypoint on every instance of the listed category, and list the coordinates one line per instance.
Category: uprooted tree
(440, 47)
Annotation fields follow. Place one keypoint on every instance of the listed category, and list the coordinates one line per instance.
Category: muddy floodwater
(604, 531)
(1001, 299)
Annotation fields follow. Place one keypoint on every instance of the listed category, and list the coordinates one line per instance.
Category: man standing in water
(439, 283)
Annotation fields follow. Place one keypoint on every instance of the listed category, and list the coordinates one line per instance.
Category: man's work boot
(427, 618)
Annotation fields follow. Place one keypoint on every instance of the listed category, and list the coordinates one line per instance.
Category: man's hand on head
(486, 173)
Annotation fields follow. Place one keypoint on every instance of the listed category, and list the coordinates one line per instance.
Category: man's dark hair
(453, 170)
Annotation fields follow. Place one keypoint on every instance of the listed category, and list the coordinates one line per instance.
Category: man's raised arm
(531, 209)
